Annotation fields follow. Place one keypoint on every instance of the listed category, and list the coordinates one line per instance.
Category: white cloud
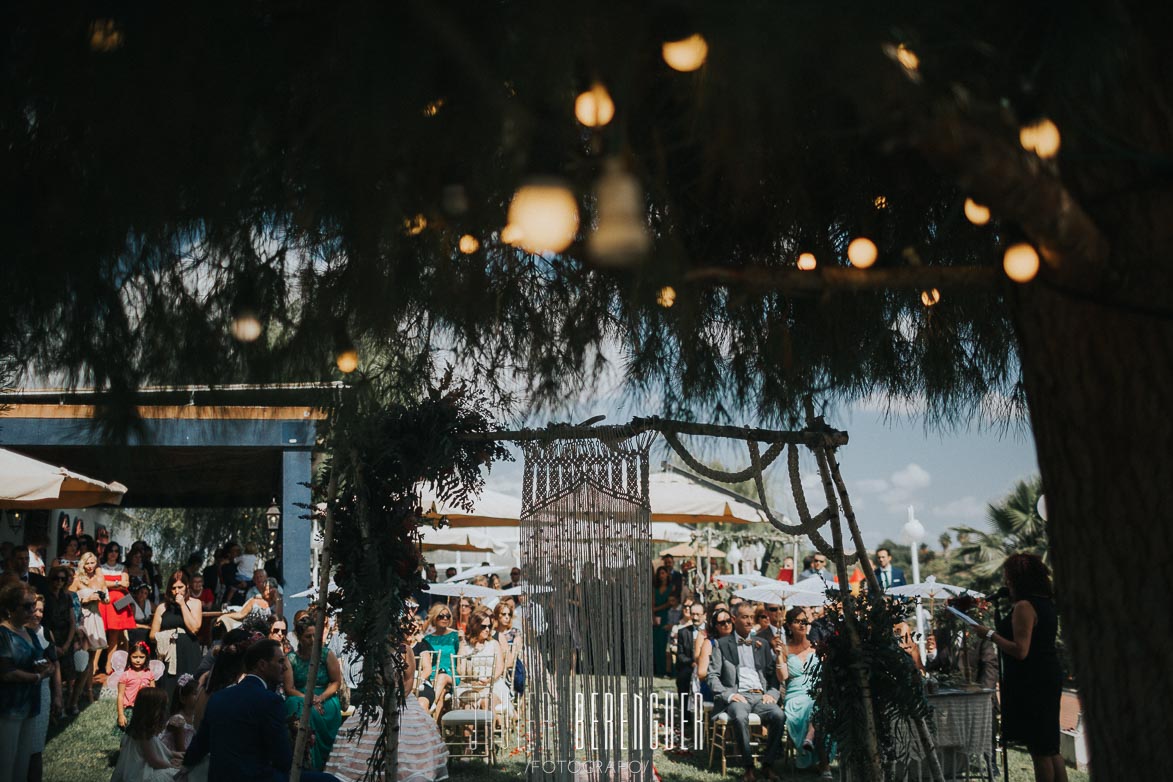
(965, 509)
(812, 481)
(911, 478)
(871, 485)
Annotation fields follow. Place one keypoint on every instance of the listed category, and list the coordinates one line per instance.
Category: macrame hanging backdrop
(586, 547)
(586, 544)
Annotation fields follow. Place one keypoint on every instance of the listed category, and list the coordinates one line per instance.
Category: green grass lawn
(78, 750)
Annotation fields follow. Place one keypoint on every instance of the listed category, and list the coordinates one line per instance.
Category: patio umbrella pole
(319, 626)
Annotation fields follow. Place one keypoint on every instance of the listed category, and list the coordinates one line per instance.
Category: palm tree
(1014, 526)
(945, 540)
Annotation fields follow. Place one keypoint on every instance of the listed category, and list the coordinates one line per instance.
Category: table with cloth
(962, 724)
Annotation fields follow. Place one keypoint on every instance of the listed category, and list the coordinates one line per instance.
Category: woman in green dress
(660, 627)
(326, 712)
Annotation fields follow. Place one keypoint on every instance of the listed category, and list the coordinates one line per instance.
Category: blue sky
(948, 477)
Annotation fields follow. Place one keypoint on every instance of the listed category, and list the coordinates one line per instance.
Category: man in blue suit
(888, 575)
(244, 729)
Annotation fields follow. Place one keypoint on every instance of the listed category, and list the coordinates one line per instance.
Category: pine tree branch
(841, 278)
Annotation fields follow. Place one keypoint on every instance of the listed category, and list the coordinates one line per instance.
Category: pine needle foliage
(381, 454)
(896, 688)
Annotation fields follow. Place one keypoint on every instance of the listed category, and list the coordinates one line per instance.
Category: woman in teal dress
(798, 676)
(326, 712)
(660, 626)
(444, 641)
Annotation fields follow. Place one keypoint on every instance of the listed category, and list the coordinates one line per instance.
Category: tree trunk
(1099, 381)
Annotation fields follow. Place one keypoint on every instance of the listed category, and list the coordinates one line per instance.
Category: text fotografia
(606, 721)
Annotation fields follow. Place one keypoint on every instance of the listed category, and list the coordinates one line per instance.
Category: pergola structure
(198, 446)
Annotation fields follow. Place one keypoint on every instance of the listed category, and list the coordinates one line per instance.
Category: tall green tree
(167, 169)
(1014, 526)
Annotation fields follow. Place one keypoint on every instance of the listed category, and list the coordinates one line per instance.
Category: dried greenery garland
(380, 454)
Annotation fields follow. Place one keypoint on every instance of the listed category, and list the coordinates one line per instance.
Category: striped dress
(423, 756)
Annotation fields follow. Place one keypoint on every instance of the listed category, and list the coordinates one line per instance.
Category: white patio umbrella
(813, 591)
(750, 580)
(527, 589)
(930, 588)
(697, 549)
(674, 497)
(461, 589)
(482, 570)
(26, 483)
(492, 509)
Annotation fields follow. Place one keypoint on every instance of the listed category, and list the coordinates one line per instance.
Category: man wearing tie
(889, 576)
(744, 681)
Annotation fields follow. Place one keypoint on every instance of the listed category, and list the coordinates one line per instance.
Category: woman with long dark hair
(174, 627)
(662, 592)
(117, 620)
(1032, 681)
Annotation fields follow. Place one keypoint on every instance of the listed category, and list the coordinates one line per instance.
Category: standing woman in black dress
(1032, 683)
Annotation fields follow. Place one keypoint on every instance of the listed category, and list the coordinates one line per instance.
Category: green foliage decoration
(381, 453)
(897, 690)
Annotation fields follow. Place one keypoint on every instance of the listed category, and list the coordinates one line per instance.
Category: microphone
(1001, 594)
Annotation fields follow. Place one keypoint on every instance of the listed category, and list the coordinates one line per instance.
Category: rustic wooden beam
(819, 437)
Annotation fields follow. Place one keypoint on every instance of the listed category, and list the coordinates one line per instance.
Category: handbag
(519, 677)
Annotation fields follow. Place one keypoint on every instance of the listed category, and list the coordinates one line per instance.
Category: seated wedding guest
(744, 681)
(719, 625)
(244, 730)
(797, 666)
(445, 642)
(326, 713)
(978, 661)
(423, 755)
(905, 638)
(482, 683)
(509, 637)
(23, 666)
(222, 667)
(279, 632)
(687, 633)
(261, 607)
(464, 611)
(1032, 681)
(259, 586)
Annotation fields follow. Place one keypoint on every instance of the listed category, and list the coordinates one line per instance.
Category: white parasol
(481, 570)
(930, 588)
(750, 579)
(812, 591)
(30, 484)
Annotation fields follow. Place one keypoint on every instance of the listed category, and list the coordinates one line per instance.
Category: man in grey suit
(744, 681)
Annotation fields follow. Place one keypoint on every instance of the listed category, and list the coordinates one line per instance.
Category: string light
(415, 225)
(686, 55)
(807, 262)
(511, 235)
(469, 244)
(594, 108)
(862, 252)
(105, 35)
(666, 296)
(1020, 262)
(433, 108)
(246, 326)
(930, 297)
(347, 361)
(1040, 137)
(620, 237)
(907, 58)
(881, 202)
(546, 213)
(976, 213)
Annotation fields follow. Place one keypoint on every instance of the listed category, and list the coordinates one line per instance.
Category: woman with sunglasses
(23, 666)
(464, 611)
(796, 669)
(719, 625)
(279, 632)
(509, 638)
(445, 642)
(60, 620)
(117, 620)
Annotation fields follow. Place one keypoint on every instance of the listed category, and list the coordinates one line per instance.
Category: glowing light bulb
(546, 213)
(469, 244)
(686, 55)
(415, 225)
(807, 262)
(666, 296)
(907, 58)
(976, 213)
(347, 361)
(511, 235)
(246, 326)
(881, 202)
(930, 297)
(1020, 262)
(105, 35)
(1040, 137)
(862, 252)
(594, 108)
(433, 108)
(621, 236)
